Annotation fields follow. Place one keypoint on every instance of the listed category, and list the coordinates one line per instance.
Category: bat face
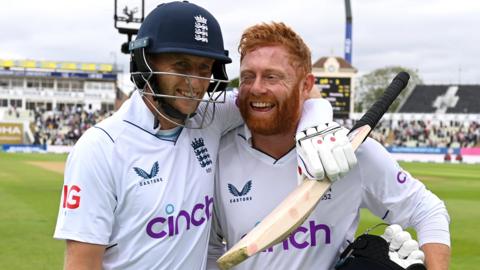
(293, 211)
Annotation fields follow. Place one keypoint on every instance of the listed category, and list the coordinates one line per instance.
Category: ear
(307, 87)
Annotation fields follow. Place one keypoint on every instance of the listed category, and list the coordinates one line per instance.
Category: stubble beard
(184, 106)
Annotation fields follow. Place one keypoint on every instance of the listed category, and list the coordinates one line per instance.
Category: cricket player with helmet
(258, 165)
(138, 190)
(138, 186)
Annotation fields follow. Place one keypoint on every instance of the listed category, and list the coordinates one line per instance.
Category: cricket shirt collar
(140, 115)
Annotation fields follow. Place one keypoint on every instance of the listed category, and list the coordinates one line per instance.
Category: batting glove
(404, 251)
(324, 151)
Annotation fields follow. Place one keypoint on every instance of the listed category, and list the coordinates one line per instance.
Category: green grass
(29, 200)
(459, 186)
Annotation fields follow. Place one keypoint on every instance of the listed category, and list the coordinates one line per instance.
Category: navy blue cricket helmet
(179, 27)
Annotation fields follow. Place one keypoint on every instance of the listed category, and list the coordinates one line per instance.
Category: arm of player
(437, 256)
(88, 200)
(394, 195)
(433, 232)
(83, 256)
(227, 115)
(432, 226)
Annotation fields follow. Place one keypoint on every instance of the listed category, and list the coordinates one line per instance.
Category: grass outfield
(459, 186)
(29, 200)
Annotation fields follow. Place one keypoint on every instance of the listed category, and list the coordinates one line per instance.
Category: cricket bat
(298, 205)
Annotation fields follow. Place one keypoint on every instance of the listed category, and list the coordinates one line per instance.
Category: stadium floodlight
(348, 32)
(129, 20)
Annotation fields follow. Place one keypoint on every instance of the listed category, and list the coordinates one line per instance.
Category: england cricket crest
(201, 29)
(202, 154)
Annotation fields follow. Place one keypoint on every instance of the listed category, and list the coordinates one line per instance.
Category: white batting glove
(404, 251)
(324, 151)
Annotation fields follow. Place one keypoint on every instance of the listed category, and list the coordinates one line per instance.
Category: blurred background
(63, 68)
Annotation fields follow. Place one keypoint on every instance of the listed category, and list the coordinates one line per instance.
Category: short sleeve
(88, 199)
(392, 194)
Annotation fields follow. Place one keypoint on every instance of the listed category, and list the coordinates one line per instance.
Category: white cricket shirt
(250, 184)
(149, 200)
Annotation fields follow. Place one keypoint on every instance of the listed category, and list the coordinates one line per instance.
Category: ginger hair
(272, 34)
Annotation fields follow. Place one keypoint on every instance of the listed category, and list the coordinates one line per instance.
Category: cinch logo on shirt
(402, 177)
(324, 234)
(202, 154)
(160, 227)
(240, 194)
(148, 178)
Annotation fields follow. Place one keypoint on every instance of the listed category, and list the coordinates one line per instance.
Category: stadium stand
(12, 114)
(469, 100)
(54, 102)
(434, 116)
(443, 99)
(421, 99)
(428, 133)
(64, 127)
(424, 133)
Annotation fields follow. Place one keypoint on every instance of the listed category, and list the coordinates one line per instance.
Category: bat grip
(378, 109)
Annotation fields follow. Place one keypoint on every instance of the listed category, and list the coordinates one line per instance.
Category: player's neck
(164, 123)
(277, 145)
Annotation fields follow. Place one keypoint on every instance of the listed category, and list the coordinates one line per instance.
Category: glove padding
(403, 250)
(372, 252)
(324, 150)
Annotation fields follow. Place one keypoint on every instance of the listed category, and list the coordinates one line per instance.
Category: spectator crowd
(66, 126)
(63, 127)
(428, 133)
